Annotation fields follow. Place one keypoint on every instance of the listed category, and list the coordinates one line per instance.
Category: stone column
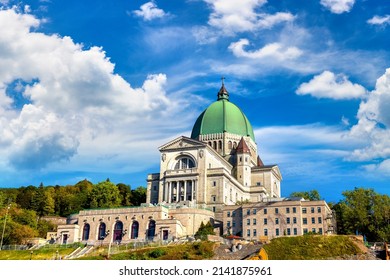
(185, 190)
(177, 191)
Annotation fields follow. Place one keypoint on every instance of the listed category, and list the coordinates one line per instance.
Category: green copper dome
(222, 116)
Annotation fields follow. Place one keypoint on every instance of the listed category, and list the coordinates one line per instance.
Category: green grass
(310, 247)
(190, 251)
(46, 253)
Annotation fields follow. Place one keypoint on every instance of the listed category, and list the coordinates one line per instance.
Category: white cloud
(273, 50)
(330, 85)
(76, 108)
(382, 168)
(150, 11)
(231, 18)
(379, 20)
(338, 6)
(374, 122)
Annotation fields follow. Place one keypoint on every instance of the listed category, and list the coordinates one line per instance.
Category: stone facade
(133, 224)
(278, 217)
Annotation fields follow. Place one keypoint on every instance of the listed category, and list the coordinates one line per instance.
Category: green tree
(44, 227)
(104, 195)
(25, 197)
(204, 230)
(366, 212)
(125, 194)
(312, 195)
(138, 196)
(43, 201)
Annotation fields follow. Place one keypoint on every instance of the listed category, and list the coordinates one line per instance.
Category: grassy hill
(45, 253)
(311, 247)
(307, 247)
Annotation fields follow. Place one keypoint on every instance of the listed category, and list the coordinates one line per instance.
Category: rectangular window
(233, 214)
(312, 210)
(318, 209)
(265, 211)
(276, 210)
(258, 183)
(248, 211)
(294, 209)
(288, 231)
(214, 183)
(313, 220)
(287, 220)
(294, 220)
(254, 232)
(320, 230)
(304, 211)
(305, 231)
(254, 211)
(265, 232)
(295, 231)
(228, 224)
(265, 221)
(234, 224)
(277, 232)
(214, 209)
(319, 220)
(304, 221)
(254, 222)
(213, 198)
(248, 222)
(288, 210)
(313, 230)
(276, 221)
(228, 213)
(248, 232)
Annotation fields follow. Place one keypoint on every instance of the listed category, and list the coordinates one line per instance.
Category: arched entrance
(151, 229)
(134, 230)
(118, 230)
(86, 231)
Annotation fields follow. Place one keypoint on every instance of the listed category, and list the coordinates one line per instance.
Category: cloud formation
(330, 85)
(73, 101)
(374, 123)
(150, 11)
(273, 50)
(231, 18)
(379, 20)
(338, 6)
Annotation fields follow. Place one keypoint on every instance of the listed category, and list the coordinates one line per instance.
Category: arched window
(118, 230)
(184, 163)
(219, 145)
(151, 229)
(230, 144)
(215, 145)
(234, 144)
(102, 231)
(86, 231)
(134, 230)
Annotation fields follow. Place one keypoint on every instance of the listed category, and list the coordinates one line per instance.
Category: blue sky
(91, 89)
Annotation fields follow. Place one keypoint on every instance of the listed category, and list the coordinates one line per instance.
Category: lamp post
(5, 221)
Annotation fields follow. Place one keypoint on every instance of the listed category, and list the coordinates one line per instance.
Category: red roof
(243, 147)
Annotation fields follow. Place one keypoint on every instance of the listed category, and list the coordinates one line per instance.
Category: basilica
(216, 175)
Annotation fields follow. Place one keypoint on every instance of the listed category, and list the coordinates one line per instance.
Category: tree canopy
(365, 212)
(308, 195)
(30, 203)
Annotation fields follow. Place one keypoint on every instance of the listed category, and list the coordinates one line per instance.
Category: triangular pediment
(181, 142)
